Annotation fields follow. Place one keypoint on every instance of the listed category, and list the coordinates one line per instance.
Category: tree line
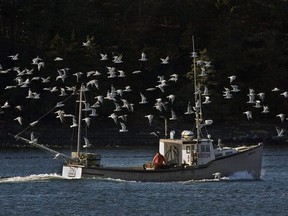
(246, 38)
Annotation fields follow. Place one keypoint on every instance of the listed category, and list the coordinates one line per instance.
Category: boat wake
(237, 176)
(243, 175)
(31, 178)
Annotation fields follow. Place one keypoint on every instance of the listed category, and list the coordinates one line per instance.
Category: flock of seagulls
(256, 100)
(56, 84)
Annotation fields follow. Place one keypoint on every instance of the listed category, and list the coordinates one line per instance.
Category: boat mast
(79, 121)
(197, 94)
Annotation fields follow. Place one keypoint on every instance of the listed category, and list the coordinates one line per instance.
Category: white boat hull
(249, 161)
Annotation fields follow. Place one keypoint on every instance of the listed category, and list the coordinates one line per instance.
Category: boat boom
(42, 147)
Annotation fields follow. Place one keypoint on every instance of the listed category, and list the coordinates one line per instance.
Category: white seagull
(99, 98)
(87, 107)
(87, 143)
(114, 117)
(63, 92)
(93, 112)
(78, 75)
(6, 105)
(265, 109)
(93, 82)
(173, 77)
(248, 114)
(143, 99)
(281, 116)
(150, 89)
(235, 88)
(232, 78)
(143, 57)
(189, 109)
(164, 61)
(19, 119)
(127, 89)
(117, 59)
(60, 115)
(19, 107)
(251, 98)
(58, 59)
(261, 95)
(227, 93)
(217, 175)
(121, 73)
(117, 107)
(275, 89)
(123, 127)
(150, 118)
(33, 123)
(87, 43)
(205, 92)
(36, 60)
(45, 80)
(14, 57)
(59, 104)
(136, 71)
(33, 139)
(74, 123)
(280, 132)
(40, 65)
(207, 100)
(257, 104)
(173, 115)
(171, 97)
(285, 94)
(104, 57)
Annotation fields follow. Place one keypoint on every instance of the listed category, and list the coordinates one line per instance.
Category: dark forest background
(247, 38)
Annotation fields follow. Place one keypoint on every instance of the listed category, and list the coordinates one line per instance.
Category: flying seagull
(281, 116)
(164, 60)
(19, 119)
(248, 114)
(143, 57)
(123, 127)
(280, 132)
(232, 78)
(87, 143)
(150, 118)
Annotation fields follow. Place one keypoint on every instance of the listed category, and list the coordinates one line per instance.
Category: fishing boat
(193, 156)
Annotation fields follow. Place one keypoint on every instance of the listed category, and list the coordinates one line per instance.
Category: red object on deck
(159, 160)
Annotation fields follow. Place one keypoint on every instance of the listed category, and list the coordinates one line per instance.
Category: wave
(38, 177)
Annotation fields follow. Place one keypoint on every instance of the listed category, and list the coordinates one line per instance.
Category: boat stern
(72, 171)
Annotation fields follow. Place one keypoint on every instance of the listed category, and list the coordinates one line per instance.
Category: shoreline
(139, 136)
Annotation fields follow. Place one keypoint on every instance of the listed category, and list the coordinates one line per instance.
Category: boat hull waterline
(249, 161)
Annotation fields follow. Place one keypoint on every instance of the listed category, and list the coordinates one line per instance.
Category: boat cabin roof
(184, 141)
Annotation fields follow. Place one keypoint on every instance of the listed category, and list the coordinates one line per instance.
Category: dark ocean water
(34, 187)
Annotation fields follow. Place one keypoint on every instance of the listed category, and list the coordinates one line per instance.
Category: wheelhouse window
(205, 148)
(188, 149)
